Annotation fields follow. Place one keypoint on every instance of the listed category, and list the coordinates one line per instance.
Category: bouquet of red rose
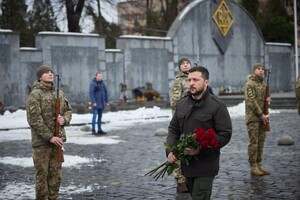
(199, 139)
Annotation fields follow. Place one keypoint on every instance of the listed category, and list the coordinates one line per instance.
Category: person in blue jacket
(99, 98)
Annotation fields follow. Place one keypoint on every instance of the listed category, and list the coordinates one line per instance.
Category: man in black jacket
(200, 109)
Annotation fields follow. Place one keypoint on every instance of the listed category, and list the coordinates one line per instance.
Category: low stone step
(276, 102)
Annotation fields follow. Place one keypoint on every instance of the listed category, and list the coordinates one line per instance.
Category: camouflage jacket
(178, 89)
(40, 109)
(297, 90)
(254, 91)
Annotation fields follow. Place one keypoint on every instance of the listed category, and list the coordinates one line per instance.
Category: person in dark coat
(200, 109)
(99, 99)
(297, 91)
(1, 108)
(179, 89)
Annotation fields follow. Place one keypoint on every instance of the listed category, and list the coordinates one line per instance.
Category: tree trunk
(100, 19)
(74, 14)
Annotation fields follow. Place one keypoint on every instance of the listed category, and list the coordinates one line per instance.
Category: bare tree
(159, 14)
(74, 10)
(110, 30)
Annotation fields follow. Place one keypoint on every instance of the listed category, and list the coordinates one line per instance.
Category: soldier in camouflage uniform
(179, 89)
(254, 91)
(40, 108)
(180, 86)
(297, 90)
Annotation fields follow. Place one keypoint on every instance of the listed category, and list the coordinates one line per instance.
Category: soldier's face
(47, 77)
(259, 71)
(185, 66)
(197, 84)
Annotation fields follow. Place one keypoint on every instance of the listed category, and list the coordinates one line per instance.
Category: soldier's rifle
(60, 155)
(267, 103)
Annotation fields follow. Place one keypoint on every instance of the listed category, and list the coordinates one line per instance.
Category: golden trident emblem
(223, 18)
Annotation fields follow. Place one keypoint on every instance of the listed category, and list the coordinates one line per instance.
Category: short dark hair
(203, 70)
(98, 73)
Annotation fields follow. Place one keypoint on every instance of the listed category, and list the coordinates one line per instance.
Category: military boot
(264, 171)
(181, 188)
(255, 171)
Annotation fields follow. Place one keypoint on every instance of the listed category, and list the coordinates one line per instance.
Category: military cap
(41, 70)
(257, 65)
(181, 60)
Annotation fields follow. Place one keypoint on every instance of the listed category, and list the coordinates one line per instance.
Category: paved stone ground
(121, 175)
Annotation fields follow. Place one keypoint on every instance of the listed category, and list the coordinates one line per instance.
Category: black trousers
(200, 188)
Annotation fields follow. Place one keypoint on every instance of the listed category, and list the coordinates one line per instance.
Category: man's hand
(171, 158)
(268, 99)
(60, 120)
(265, 118)
(57, 141)
(193, 152)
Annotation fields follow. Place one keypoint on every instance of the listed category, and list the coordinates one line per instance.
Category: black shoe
(93, 132)
(101, 132)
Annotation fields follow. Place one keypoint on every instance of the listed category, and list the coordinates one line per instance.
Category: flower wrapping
(199, 139)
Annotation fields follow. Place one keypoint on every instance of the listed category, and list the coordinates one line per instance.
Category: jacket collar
(199, 102)
(257, 78)
(181, 74)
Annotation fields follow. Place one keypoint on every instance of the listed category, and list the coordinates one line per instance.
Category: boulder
(85, 128)
(161, 132)
(286, 140)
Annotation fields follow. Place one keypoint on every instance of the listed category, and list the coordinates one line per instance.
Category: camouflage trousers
(257, 137)
(178, 175)
(47, 172)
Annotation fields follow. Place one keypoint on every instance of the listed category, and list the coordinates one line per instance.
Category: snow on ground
(14, 126)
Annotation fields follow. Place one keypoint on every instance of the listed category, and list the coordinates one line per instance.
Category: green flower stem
(154, 170)
(160, 173)
(166, 169)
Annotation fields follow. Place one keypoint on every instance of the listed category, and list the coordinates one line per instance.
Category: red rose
(200, 139)
(214, 143)
(199, 134)
(204, 143)
(210, 134)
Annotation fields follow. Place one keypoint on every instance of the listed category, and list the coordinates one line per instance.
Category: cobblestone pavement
(121, 175)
